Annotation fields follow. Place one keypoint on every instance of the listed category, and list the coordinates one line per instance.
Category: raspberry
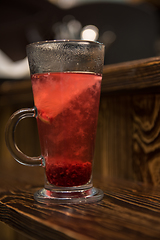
(69, 174)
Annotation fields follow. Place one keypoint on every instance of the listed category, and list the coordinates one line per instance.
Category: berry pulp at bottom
(68, 105)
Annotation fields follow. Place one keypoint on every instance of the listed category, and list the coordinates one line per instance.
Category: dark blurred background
(129, 29)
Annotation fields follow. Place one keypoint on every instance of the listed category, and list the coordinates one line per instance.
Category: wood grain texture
(113, 153)
(133, 75)
(128, 137)
(15, 92)
(128, 211)
(116, 152)
(123, 148)
(146, 137)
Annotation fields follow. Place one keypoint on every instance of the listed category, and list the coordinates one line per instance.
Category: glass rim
(65, 41)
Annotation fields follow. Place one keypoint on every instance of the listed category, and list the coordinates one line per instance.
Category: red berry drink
(68, 105)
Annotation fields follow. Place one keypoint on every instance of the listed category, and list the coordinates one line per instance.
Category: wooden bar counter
(128, 211)
(126, 164)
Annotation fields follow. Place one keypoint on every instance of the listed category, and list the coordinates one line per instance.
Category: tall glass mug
(66, 82)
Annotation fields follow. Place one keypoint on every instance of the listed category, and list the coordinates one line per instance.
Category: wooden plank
(133, 75)
(128, 137)
(128, 211)
(113, 153)
(146, 137)
(118, 134)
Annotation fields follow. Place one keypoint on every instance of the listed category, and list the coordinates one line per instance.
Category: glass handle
(10, 138)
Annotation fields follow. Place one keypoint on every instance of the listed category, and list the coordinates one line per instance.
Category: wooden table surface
(128, 211)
